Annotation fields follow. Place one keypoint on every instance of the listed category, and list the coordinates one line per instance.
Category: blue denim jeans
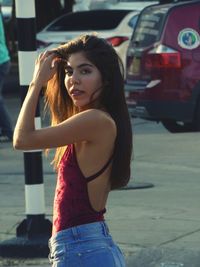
(5, 121)
(87, 245)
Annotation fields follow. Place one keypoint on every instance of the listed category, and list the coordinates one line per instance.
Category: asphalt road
(155, 227)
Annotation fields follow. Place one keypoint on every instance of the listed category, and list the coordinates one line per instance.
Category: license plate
(135, 66)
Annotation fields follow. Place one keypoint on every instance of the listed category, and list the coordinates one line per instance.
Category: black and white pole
(34, 231)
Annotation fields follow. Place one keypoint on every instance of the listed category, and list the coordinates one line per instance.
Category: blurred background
(55, 12)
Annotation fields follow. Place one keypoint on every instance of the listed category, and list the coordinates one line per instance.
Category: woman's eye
(85, 71)
(68, 72)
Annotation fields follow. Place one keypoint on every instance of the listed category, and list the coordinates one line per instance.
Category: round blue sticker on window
(188, 38)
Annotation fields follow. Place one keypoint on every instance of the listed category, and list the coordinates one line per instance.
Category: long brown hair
(104, 57)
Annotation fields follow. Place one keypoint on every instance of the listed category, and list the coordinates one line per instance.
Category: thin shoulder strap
(92, 177)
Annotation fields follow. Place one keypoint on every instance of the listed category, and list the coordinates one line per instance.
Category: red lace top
(71, 203)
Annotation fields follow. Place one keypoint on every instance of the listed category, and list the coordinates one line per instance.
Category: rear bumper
(160, 110)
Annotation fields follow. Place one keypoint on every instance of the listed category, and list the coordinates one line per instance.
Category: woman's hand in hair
(45, 68)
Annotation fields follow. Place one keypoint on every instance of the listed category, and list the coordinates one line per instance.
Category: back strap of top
(92, 177)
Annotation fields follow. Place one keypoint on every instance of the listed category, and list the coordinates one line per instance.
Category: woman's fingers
(46, 65)
(46, 54)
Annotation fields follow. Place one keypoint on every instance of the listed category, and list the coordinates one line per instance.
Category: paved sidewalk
(155, 227)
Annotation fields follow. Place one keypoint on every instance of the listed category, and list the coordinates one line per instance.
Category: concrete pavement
(155, 227)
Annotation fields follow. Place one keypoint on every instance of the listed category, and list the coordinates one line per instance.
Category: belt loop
(105, 229)
(75, 232)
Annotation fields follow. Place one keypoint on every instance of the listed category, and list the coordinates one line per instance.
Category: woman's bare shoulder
(97, 114)
(101, 117)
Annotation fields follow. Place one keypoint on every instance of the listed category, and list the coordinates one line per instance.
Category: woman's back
(83, 180)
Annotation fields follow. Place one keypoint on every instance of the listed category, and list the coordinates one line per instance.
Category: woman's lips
(76, 92)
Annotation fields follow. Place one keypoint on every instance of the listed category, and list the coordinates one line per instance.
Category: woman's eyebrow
(68, 66)
(79, 66)
(85, 65)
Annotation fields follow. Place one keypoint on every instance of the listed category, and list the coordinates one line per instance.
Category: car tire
(197, 117)
(175, 127)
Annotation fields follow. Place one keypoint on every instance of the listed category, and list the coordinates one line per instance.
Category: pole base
(33, 234)
(33, 226)
(22, 247)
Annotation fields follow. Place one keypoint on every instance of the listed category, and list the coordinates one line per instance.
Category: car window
(89, 20)
(149, 26)
(6, 2)
(132, 21)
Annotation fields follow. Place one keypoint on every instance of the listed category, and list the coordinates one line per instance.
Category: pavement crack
(179, 237)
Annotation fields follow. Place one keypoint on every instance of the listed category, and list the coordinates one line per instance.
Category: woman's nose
(75, 78)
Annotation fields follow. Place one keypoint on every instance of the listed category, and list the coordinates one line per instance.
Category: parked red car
(163, 66)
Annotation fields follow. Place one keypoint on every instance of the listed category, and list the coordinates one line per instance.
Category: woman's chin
(83, 105)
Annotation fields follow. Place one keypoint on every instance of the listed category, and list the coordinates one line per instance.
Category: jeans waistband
(81, 232)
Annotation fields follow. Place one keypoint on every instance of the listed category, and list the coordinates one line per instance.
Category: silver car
(114, 25)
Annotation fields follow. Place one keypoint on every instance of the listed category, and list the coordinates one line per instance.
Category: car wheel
(177, 127)
(197, 117)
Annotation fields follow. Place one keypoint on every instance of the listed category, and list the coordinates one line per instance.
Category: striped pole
(34, 231)
(35, 222)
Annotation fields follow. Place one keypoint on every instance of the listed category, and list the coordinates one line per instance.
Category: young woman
(92, 133)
